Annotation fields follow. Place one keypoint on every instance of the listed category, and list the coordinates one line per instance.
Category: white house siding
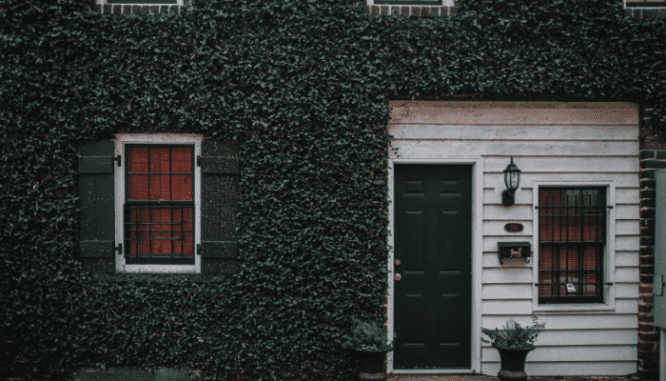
(549, 142)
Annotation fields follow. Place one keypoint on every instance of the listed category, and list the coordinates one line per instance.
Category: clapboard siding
(495, 228)
(524, 274)
(572, 337)
(496, 180)
(524, 290)
(514, 113)
(589, 352)
(553, 142)
(546, 164)
(510, 132)
(623, 259)
(493, 195)
(582, 368)
(525, 212)
(567, 322)
(427, 149)
(626, 258)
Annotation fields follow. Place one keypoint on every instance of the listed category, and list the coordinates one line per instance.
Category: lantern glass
(512, 176)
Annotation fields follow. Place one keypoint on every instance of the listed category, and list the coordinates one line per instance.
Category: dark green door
(433, 255)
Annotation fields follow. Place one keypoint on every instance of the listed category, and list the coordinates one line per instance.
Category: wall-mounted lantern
(511, 180)
(514, 250)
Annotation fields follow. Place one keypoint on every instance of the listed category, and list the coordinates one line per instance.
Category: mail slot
(514, 250)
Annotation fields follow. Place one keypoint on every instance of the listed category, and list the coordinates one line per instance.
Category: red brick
(648, 289)
(645, 318)
(646, 328)
(645, 346)
(416, 11)
(425, 11)
(117, 9)
(648, 337)
(404, 10)
(644, 309)
(647, 278)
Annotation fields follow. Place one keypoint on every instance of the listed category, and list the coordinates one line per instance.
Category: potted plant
(513, 344)
(369, 343)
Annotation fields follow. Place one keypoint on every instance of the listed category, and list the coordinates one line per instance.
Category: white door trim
(477, 235)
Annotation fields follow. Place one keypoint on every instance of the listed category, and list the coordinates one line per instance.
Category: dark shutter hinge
(117, 159)
(119, 248)
(198, 248)
(199, 160)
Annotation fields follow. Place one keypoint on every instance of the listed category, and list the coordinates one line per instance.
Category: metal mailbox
(514, 250)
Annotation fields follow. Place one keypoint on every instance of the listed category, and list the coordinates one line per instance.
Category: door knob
(397, 262)
(397, 277)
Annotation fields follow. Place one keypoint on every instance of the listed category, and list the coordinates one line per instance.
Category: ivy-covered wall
(302, 86)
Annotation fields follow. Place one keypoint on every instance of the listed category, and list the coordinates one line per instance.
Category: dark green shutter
(219, 206)
(96, 220)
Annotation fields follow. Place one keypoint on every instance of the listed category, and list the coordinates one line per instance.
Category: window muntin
(572, 242)
(159, 205)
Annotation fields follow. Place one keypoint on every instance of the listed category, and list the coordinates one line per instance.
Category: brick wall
(116, 9)
(412, 10)
(653, 156)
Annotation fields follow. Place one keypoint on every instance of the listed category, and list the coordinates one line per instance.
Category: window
(158, 203)
(572, 244)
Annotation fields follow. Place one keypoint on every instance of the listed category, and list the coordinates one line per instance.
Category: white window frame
(120, 142)
(609, 250)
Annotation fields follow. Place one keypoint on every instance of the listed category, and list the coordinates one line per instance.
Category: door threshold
(432, 371)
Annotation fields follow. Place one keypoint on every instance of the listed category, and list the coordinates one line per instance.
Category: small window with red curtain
(572, 241)
(159, 204)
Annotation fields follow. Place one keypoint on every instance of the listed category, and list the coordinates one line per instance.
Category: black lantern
(511, 180)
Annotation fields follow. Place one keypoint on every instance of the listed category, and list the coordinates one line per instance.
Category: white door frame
(477, 204)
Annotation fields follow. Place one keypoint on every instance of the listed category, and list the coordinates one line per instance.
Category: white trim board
(477, 234)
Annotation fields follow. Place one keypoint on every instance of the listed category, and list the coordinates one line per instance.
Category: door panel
(433, 234)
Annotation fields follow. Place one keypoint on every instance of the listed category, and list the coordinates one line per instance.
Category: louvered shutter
(96, 220)
(220, 170)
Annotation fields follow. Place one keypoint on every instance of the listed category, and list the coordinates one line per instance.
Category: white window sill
(574, 307)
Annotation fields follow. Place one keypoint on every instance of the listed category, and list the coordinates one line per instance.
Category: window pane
(181, 160)
(159, 182)
(572, 235)
(138, 160)
(182, 188)
(159, 231)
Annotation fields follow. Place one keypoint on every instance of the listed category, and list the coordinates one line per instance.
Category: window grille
(159, 205)
(572, 240)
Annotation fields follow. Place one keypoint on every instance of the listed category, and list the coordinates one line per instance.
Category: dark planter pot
(513, 363)
(371, 366)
